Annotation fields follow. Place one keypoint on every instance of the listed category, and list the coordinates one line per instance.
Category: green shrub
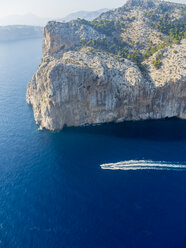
(157, 61)
(104, 26)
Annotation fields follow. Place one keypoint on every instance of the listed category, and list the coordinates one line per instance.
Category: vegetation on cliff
(104, 26)
(93, 71)
(161, 20)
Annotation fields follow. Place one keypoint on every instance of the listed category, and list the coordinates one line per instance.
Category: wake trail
(143, 165)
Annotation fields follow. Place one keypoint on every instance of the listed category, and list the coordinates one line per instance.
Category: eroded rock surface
(74, 86)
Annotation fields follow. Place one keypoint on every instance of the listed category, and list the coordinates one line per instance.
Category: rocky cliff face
(80, 81)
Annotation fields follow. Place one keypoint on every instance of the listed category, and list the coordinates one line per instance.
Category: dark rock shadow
(166, 129)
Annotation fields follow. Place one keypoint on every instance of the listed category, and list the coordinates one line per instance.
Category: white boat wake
(143, 165)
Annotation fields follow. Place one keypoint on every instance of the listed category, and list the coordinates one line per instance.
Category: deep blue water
(53, 192)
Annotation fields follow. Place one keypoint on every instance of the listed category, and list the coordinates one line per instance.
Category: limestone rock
(76, 86)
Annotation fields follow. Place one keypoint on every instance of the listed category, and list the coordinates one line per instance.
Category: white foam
(143, 165)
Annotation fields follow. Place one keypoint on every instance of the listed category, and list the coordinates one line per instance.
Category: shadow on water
(166, 129)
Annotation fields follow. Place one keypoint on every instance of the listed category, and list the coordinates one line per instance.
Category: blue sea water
(53, 192)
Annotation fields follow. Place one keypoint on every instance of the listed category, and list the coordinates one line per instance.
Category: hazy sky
(56, 8)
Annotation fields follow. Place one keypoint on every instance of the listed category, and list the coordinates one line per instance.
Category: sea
(73, 189)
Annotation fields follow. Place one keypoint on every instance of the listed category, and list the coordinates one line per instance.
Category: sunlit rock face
(74, 86)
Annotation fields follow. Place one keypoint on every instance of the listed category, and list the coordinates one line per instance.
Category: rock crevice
(75, 86)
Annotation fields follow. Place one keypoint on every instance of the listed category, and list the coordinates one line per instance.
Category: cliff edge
(128, 64)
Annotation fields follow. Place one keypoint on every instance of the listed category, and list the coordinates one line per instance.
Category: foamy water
(143, 165)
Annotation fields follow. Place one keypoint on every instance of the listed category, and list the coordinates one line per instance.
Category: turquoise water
(53, 192)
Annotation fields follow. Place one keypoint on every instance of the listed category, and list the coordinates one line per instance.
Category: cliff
(128, 64)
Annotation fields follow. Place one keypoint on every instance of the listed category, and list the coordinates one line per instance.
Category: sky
(56, 8)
